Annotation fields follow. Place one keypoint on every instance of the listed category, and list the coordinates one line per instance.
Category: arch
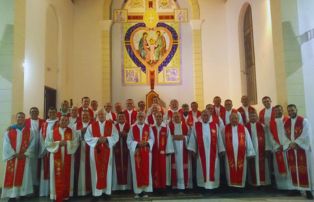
(195, 9)
(247, 53)
(107, 10)
(194, 5)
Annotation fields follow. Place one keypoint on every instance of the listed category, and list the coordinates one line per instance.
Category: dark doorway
(50, 99)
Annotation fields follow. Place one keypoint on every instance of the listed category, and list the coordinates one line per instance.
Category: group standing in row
(83, 150)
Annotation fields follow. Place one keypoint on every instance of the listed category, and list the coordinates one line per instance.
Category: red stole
(278, 154)
(170, 114)
(213, 149)
(62, 168)
(159, 158)
(113, 115)
(222, 111)
(190, 120)
(301, 155)
(224, 118)
(215, 119)
(28, 123)
(242, 112)
(150, 119)
(45, 158)
(133, 117)
(261, 154)
(102, 154)
(141, 156)
(121, 153)
(236, 171)
(262, 115)
(90, 111)
(16, 178)
(79, 126)
(185, 157)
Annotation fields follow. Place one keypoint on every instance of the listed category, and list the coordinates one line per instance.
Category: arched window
(249, 55)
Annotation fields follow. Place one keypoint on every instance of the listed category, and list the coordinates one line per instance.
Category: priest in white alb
(101, 136)
(62, 143)
(298, 150)
(18, 148)
(163, 147)
(181, 161)
(206, 141)
(43, 155)
(82, 176)
(278, 138)
(121, 171)
(35, 123)
(238, 147)
(258, 167)
(140, 143)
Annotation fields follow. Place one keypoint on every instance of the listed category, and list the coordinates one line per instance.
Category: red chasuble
(141, 156)
(262, 115)
(213, 149)
(79, 126)
(133, 117)
(278, 154)
(121, 153)
(185, 157)
(159, 158)
(261, 154)
(102, 154)
(236, 170)
(297, 157)
(45, 158)
(62, 168)
(12, 178)
(222, 111)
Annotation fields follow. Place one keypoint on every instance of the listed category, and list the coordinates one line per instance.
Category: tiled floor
(235, 196)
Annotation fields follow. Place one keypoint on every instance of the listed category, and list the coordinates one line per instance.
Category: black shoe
(309, 195)
(95, 199)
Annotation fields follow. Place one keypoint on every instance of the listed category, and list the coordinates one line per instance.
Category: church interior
(55, 50)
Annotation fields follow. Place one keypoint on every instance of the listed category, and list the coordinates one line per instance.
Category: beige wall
(6, 68)
(215, 50)
(35, 50)
(85, 69)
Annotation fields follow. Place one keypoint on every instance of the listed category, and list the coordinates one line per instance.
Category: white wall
(35, 46)
(292, 53)
(265, 72)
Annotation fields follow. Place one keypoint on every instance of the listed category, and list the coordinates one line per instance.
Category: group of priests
(85, 150)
